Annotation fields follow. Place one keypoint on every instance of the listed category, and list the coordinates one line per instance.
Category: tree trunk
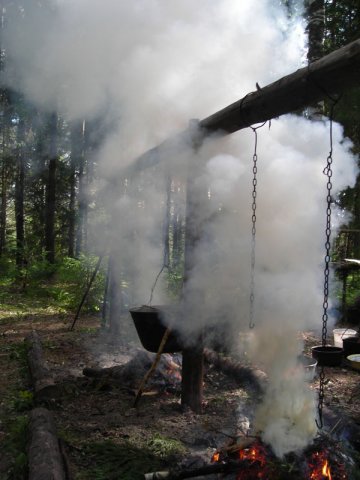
(193, 358)
(77, 140)
(82, 201)
(19, 196)
(4, 169)
(114, 296)
(315, 14)
(167, 222)
(51, 192)
(44, 452)
(3, 212)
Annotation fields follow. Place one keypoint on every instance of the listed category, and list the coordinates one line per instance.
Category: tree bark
(315, 15)
(44, 453)
(4, 169)
(51, 192)
(3, 211)
(77, 144)
(114, 296)
(19, 196)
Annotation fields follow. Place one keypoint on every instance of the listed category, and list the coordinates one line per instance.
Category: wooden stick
(230, 466)
(87, 291)
(153, 366)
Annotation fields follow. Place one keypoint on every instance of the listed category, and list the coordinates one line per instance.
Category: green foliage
(165, 447)
(76, 274)
(15, 445)
(175, 280)
(60, 286)
(24, 401)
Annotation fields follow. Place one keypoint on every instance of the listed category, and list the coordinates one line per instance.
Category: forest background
(48, 169)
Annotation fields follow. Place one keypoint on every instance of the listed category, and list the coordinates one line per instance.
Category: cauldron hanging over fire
(151, 324)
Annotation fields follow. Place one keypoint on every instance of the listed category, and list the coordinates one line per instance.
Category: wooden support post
(193, 358)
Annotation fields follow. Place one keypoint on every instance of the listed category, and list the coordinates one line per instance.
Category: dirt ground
(94, 415)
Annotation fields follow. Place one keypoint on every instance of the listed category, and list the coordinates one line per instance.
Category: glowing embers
(256, 461)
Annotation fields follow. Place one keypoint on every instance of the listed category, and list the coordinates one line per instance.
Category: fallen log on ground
(44, 453)
(130, 374)
(228, 467)
(42, 379)
(255, 377)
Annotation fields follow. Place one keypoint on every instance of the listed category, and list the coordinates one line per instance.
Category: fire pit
(255, 460)
(150, 326)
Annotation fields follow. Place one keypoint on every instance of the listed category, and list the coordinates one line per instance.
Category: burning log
(45, 459)
(43, 382)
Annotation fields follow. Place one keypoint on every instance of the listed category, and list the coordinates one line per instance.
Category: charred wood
(228, 467)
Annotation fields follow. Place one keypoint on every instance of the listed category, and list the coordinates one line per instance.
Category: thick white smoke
(149, 66)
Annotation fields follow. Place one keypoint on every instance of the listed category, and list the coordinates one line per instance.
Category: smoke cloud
(149, 66)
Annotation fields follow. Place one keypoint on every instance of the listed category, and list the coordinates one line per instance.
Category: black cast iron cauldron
(328, 355)
(351, 345)
(150, 326)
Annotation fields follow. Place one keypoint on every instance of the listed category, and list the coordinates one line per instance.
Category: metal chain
(253, 228)
(328, 172)
(253, 236)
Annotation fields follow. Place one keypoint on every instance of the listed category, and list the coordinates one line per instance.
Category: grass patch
(15, 446)
(165, 447)
(118, 461)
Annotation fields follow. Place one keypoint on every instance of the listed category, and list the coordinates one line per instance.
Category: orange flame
(215, 457)
(320, 467)
(326, 470)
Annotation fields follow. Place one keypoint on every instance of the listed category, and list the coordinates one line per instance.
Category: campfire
(255, 460)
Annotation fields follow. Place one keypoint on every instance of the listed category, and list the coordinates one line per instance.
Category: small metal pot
(328, 355)
(150, 327)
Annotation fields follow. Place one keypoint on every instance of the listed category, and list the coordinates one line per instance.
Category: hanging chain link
(328, 172)
(253, 235)
(253, 228)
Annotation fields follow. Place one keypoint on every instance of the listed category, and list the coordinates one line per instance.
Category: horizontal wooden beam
(329, 76)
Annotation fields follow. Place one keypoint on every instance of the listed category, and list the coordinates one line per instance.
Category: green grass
(113, 461)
